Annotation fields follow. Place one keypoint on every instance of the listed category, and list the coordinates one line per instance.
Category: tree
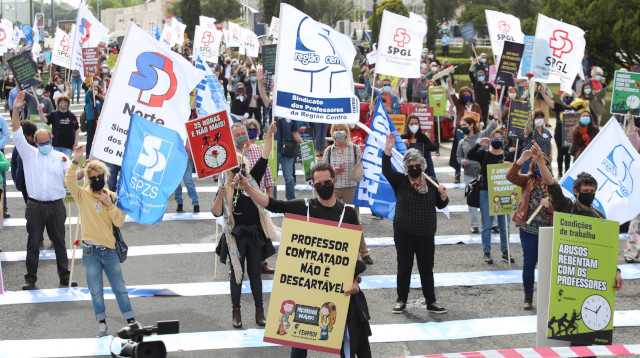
(437, 14)
(298, 4)
(221, 10)
(109, 4)
(395, 6)
(268, 9)
(329, 11)
(432, 26)
(474, 13)
(190, 12)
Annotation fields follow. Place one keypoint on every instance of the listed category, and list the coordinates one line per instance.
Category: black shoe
(399, 307)
(179, 209)
(436, 308)
(474, 230)
(505, 257)
(65, 282)
(29, 286)
(487, 258)
(377, 217)
(196, 208)
(495, 230)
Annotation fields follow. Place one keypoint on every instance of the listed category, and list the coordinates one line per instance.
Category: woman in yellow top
(99, 213)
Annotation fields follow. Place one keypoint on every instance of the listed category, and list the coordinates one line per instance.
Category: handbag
(121, 247)
(357, 172)
(472, 192)
(289, 146)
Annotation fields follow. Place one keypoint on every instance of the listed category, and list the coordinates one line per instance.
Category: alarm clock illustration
(633, 102)
(216, 154)
(596, 312)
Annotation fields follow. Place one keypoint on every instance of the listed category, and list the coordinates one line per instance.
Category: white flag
(249, 41)
(6, 34)
(615, 164)
(61, 53)
(167, 37)
(372, 56)
(36, 31)
(208, 22)
(207, 41)
(89, 32)
(178, 29)
(149, 80)
(558, 50)
(234, 35)
(502, 27)
(274, 27)
(313, 71)
(225, 35)
(400, 46)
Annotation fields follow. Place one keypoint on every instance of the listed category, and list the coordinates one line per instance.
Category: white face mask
(434, 69)
(539, 122)
(39, 92)
(414, 128)
(512, 95)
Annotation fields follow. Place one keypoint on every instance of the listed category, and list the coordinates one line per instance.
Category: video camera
(136, 348)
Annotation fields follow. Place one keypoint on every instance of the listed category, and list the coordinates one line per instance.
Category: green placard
(45, 76)
(626, 93)
(111, 61)
(308, 159)
(438, 100)
(504, 196)
(583, 269)
(35, 118)
(273, 160)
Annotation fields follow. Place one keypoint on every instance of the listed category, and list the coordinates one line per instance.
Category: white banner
(6, 34)
(502, 27)
(400, 46)
(274, 27)
(372, 56)
(61, 53)
(178, 30)
(208, 22)
(149, 80)
(207, 41)
(249, 41)
(167, 37)
(234, 35)
(225, 36)
(89, 32)
(313, 71)
(615, 164)
(558, 50)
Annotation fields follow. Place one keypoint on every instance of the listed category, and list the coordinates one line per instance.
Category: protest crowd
(259, 136)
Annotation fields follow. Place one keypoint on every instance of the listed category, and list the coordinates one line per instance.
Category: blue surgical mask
(252, 133)
(45, 149)
(254, 79)
(60, 87)
(430, 56)
(96, 82)
(386, 89)
(481, 78)
(466, 98)
(598, 78)
(483, 60)
(587, 90)
(568, 100)
(95, 93)
(585, 121)
(423, 76)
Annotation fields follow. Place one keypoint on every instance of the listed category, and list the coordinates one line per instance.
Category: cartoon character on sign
(84, 30)
(286, 309)
(155, 79)
(514, 200)
(309, 61)
(327, 319)
(496, 204)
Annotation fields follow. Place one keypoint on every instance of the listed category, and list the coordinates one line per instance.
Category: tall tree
(190, 12)
(268, 9)
(298, 4)
(221, 10)
(438, 13)
(395, 6)
(432, 25)
(329, 11)
(109, 4)
(475, 14)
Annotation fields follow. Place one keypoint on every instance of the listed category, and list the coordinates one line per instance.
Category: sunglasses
(98, 177)
(324, 183)
(238, 169)
(497, 139)
(415, 166)
(43, 144)
(252, 129)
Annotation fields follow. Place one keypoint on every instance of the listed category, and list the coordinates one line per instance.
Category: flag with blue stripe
(152, 167)
(374, 191)
(155, 31)
(210, 96)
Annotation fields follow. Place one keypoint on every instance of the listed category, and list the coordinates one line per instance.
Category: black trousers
(91, 131)
(423, 247)
(563, 157)
(51, 216)
(225, 82)
(252, 254)
(256, 113)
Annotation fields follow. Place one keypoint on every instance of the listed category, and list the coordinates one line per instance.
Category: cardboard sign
(504, 196)
(476, 116)
(269, 59)
(111, 61)
(626, 93)
(570, 121)
(35, 118)
(308, 159)
(527, 55)
(427, 119)
(509, 63)
(44, 76)
(583, 269)
(25, 70)
(518, 118)
(315, 266)
(273, 159)
(399, 120)
(91, 61)
(438, 100)
(211, 143)
(492, 75)
(468, 33)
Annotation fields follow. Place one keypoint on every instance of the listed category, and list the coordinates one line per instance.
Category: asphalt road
(205, 313)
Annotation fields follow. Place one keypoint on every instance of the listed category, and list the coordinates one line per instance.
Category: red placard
(211, 144)
(91, 61)
(425, 114)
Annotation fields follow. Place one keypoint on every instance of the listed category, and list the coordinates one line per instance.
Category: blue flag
(152, 167)
(210, 96)
(28, 34)
(374, 191)
(155, 31)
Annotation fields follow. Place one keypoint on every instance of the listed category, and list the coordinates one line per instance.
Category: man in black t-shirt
(64, 127)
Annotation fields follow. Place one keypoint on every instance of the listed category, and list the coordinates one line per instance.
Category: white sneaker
(102, 330)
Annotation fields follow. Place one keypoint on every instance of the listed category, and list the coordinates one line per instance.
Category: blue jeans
(187, 178)
(529, 244)
(67, 151)
(76, 85)
(114, 171)
(487, 222)
(319, 134)
(287, 166)
(95, 261)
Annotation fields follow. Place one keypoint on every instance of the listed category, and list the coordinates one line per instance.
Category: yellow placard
(399, 121)
(316, 263)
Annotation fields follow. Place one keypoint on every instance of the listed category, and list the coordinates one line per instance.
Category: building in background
(117, 19)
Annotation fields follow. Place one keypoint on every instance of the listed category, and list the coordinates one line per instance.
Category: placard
(308, 159)
(315, 266)
(570, 121)
(583, 270)
(425, 115)
(211, 142)
(273, 159)
(474, 115)
(527, 54)
(91, 61)
(518, 118)
(399, 120)
(509, 63)
(35, 118)
(25, 70)
(269, 59)
(504, 196)
(468, 33)
(626, 93)
(111, 60)
(438, 100)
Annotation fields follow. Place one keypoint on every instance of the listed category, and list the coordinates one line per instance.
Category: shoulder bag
(472, 192)
(121, 247)
(357, 173)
